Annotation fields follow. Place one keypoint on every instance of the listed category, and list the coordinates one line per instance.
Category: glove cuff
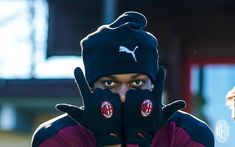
(143, 139)
(108, 139)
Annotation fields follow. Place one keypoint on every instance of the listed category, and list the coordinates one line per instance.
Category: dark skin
(121, 83)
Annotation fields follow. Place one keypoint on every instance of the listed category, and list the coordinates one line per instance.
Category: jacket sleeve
(56, 141)
(62, 132)
(192, 132)
(200, 137)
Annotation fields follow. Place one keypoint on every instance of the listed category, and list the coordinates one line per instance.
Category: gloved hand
(101, 113)
(144, 113)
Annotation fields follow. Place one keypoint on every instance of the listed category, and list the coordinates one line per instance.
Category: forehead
(125, 77)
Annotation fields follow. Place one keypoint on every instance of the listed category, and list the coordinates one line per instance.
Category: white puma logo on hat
(125, 49)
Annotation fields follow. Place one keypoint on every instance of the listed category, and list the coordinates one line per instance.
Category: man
(230, 101)
(122, 92)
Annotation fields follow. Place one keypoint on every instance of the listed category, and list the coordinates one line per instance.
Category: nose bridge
(122, 92)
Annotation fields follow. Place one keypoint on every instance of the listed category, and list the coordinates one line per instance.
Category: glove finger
(171, 108)
(72, 110)
(159, 85)
(82, 84)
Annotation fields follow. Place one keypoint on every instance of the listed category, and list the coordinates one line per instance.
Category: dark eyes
(137, 83)
(133, 84)
(109, 83)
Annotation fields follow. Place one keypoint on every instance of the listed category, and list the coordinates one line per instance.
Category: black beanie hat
(120, 47)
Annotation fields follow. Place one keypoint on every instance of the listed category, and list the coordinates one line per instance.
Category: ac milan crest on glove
(101, 112)
(144, 113)
(146, 107)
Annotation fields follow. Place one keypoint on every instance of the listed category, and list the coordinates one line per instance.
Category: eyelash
(134, 84)
(105, 82)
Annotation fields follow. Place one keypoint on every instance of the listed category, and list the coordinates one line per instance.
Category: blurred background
(39, 48)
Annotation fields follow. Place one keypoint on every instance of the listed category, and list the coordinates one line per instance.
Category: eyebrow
(136, 75)
(114, 78)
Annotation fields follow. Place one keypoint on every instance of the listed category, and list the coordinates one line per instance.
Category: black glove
(101, 113)
(144, 113)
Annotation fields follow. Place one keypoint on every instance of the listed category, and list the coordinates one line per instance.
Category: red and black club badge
(106, 109)
(146, 107)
